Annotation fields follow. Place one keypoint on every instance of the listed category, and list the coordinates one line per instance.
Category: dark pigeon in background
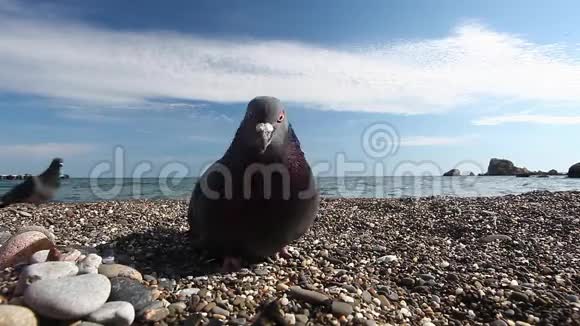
(270, 198)
(37, 189)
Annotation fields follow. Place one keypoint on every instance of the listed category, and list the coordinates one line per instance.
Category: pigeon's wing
(20, 193)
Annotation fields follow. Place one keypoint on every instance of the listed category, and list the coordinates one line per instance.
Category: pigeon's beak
(265, 131)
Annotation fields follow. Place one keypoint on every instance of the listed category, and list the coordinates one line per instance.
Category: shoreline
(391, 260)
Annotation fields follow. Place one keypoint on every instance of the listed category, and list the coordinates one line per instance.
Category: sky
(410, 87)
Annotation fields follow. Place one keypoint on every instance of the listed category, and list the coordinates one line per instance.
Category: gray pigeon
(36, 189)
(260, 195)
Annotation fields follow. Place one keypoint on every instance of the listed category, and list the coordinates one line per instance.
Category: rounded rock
(115, 313)
(51, 270)
(16, 316)
(115, 270)
(68, 297)
(90, 265)
(20, 247)
(39, 256)
(130, 290)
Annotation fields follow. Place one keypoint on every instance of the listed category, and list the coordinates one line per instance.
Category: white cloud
(45, 150)
(80, 63)
(528, 118)
(435, 141)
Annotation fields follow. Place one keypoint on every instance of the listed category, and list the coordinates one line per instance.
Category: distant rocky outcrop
(553, 172)
(504, 167)
(471, 174)
(452, 173)
(574, 171)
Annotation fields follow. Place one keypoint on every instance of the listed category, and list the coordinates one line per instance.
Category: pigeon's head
(56, 163)
(265, 125)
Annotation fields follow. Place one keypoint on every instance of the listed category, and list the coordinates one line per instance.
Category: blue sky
(459, 82)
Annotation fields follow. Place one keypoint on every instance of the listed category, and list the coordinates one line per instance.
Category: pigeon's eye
(281, 117)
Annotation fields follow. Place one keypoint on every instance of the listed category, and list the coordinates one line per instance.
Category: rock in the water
(44, 271)
(16, 316)
(308, 296)
(574, 171)
(117, 313)
(114, 270)
(504, 167)
(39, 256)
(452, 173)
(90, 265)
(68, 297)
(129, 290)
(20, 247)
(494, 237)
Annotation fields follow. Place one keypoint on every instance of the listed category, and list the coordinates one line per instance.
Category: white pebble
(90, 265)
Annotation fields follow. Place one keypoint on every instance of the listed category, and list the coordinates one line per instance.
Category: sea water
(84, 189)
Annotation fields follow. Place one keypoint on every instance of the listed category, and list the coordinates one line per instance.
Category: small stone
(519, 296)
(284, 301)
(341, 308)
(282, 287)
(493, 237)
(167, 284)
(384, 301)
(220, 311)
(130, 290)
(16, 316)
(39, 257)
(444, 264)
(572, 298)
(498, 322)
(290, 318)
(388, 259)
(44, 271)
(366, 296)
(177, 307)
(261, 271)
(90, 265)
(68, 297)
(308, 296)
(21, 247)
(238, 301)
(208, 307)
(116, 313)
(301, 318)
(114, 270)
(407, 281)
(188, 292)
(154, 315)
(71, 256)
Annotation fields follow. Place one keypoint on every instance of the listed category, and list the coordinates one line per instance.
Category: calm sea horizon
(88, 190)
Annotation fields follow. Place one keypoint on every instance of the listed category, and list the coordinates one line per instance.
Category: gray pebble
(308, 296)
(341, 308)
(68, 297)
(127, 289)
(90, 265)
(39, 256)
(44, 271)
(116, 313)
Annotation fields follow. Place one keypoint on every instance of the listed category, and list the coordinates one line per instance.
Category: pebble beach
(511, 260)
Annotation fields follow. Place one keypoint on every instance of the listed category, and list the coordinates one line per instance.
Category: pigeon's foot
(231, 264)
(283, 253)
